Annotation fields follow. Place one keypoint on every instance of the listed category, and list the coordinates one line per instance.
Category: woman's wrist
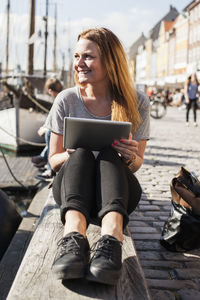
(135, 163)
(57, 160)
(132, 160)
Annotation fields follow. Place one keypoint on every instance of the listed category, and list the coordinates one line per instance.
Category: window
(198, 10)
(195, 34)
(198, 32)
(190, 56)
(193, 54)
(195, 13)
(181, 34)
(191, 16)
(191, 36)
(198, 53)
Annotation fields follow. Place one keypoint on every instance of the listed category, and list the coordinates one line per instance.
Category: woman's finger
(130, 144)
(125, 152)
(69, 151)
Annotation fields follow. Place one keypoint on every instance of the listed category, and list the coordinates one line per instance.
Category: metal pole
(55, 40)
(46, 35)
(31, 32)
(7, 39)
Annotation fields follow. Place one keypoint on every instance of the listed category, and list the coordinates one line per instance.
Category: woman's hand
(70, 151)
(128, 148)
(186, 98)
(57, 154)
(41, 131)
(132, 151)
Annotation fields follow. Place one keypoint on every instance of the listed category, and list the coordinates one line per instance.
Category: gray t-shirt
(69, 103)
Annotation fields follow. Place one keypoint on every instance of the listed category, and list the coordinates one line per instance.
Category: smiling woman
(97, 185)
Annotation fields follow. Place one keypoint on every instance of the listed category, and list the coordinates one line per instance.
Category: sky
(126, 18)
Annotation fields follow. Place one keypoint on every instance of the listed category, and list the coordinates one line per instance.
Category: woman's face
(193, 78)
(88, 63)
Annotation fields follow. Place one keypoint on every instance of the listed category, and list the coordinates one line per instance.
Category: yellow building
(194, 37)
(149, 53)
(181, 48)
(163, 49)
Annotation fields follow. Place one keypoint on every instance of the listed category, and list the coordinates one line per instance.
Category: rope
(11, 170)
(23, 140)
(36, 102)
(19, 182)
(25, 92)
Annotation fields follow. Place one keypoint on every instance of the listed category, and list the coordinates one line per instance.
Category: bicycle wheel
(158, 109)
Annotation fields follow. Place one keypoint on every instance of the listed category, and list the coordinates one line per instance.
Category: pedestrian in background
(53, 86)
(191, 97)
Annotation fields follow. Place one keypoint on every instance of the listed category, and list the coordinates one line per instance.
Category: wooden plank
(34, 279)
(12, 259)
(22, 168)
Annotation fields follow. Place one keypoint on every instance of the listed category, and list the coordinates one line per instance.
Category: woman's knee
(80, 156)
(81, 153)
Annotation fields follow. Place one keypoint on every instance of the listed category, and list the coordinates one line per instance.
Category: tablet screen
(93, 134)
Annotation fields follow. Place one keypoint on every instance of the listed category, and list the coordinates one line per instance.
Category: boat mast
(55, 41)
(7, 39)
(31, 32)
(70, 64)
(46, 35)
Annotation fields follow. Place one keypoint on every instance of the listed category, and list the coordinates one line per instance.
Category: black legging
(192, 103)
(96, 186)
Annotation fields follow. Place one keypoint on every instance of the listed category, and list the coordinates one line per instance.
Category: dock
(22, 168)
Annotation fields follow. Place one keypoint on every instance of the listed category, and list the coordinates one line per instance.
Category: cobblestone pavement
(172, 145)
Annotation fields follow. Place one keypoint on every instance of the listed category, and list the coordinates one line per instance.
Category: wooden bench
(34, 279)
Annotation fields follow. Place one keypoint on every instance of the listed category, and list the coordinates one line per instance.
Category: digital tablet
(93, 134)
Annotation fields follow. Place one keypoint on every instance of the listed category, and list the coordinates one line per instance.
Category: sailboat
(21, 115)
(21, 112)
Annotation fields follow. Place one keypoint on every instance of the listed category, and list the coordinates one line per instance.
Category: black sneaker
(72, 258)
(105, 265)
(47, 175)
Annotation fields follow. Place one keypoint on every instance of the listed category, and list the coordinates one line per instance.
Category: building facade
(172, 50)
(194, 37)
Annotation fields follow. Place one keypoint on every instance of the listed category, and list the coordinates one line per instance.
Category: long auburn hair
(189, 81)
(125, 101)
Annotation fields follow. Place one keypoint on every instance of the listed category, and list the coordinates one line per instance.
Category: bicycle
(158, 107)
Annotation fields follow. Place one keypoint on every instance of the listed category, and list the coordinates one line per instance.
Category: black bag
(181, 232)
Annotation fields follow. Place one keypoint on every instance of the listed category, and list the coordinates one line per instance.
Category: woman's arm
(132, 151)
(57, 154)
(186, 93)
(138, 161)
